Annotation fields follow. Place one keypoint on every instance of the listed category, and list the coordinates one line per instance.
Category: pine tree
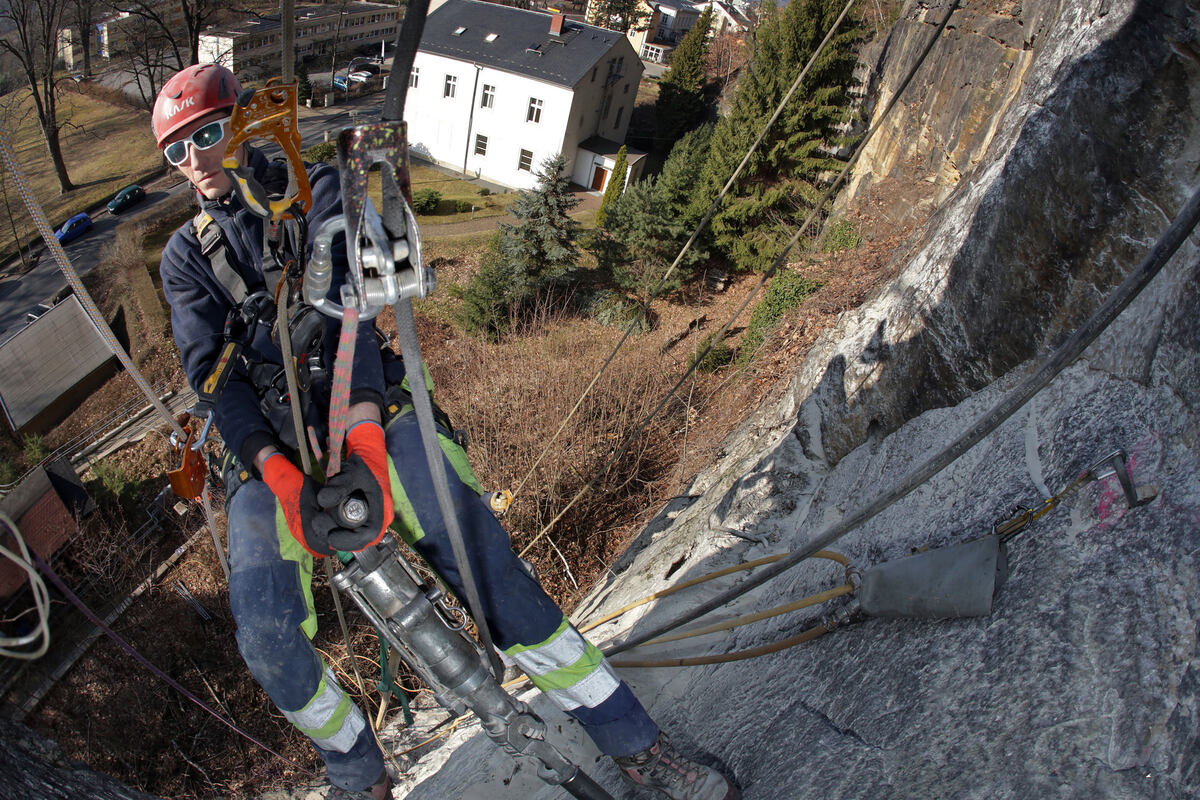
(616, 185)
(680, 103)
(525, 259)
(783, 180)
(618, 15)
(304, 88)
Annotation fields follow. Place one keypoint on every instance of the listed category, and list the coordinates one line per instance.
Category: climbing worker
(213, 269)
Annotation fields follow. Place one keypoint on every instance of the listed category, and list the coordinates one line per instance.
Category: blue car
(73, 228)
(126, 198)
(340, 83)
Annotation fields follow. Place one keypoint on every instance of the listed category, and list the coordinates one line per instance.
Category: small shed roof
(46, 359)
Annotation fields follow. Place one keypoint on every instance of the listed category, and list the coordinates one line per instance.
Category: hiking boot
(663, 768)
(380, 790)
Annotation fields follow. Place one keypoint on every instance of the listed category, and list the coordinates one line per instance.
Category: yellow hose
(753, 652)
(828, 554)
(746, 619)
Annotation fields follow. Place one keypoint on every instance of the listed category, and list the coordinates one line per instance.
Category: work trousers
(271, 599)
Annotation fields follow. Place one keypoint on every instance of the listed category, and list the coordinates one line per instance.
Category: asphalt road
(21, 294)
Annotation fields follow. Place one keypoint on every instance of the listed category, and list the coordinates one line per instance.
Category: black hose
(1071, 349)
(408, 39)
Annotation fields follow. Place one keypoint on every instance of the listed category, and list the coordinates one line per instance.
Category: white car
(360, 76)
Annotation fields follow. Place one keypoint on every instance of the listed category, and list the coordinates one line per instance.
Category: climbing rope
(41, 600)
(133, 653)
(508, 497)
(779, 260)
(38, 214)
(1058, 360)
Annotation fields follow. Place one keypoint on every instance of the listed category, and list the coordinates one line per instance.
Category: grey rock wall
(34, 768)
(1057, 162)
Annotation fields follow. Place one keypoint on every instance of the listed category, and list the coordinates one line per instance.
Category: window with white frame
(480, 144)
(534, 114)
(414, 77)
(451, 86)
(526, 161)
(488, 99)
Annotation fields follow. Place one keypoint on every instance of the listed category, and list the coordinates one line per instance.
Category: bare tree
(83, 16)
(148, 55)
(34, 44)
(196, 14)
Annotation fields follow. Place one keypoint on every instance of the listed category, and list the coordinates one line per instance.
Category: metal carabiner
(384, 250)
(268, 113)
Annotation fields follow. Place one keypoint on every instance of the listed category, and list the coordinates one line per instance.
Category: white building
(256, 44)
(496, 90)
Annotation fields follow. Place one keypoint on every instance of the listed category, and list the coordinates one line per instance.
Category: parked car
(340, 83)
(73, 228)
(127, 198)
(360, 76)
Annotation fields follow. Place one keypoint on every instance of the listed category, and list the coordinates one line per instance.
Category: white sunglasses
(203, 138)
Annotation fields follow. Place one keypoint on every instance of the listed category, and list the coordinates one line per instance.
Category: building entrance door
(598, 178)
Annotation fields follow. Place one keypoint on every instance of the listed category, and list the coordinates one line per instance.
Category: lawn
(105, 148)
(453, 190)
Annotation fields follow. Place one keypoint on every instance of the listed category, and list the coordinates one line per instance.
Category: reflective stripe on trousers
(568, 668)
(330, 719)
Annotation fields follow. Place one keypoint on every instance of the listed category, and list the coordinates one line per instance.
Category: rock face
(1061, 137)
(33, 767)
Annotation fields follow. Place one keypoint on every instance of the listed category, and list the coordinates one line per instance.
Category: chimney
(556, 23)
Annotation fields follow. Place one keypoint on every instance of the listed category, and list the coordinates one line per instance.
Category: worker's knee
(269, 607)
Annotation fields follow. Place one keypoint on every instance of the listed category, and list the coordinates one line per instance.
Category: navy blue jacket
(199, 305)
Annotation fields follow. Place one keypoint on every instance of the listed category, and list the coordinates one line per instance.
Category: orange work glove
(297, 494)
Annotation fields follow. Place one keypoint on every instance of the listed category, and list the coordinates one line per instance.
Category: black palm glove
(354, 489)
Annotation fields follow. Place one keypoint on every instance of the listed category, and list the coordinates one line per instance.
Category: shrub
(719, 354)
(786, 291)
(426, 201)
(484, 192)
(8, 473)
(35, 449)
(325, 151)
(463, 206)
(612, 308)
(840, 235)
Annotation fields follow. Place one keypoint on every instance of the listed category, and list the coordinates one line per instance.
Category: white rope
(41, 601)
(38, 214)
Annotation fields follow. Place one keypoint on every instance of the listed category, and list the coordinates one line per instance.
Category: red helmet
(190, 94)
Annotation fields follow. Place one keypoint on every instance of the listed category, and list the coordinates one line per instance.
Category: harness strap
(215, 247)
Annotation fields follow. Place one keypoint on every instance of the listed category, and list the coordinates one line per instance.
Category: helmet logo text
(175, 108)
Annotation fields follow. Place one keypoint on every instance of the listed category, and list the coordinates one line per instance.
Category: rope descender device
(384, 249)
(268, 113)
(187, 477)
